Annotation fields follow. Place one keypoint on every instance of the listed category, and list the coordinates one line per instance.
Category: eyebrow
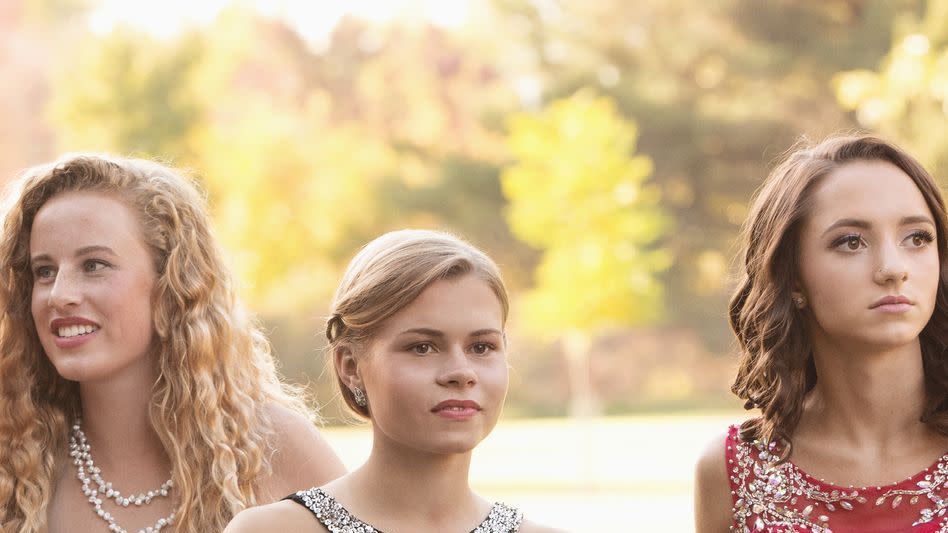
(864, 224)
(435, 333)
(85, 250)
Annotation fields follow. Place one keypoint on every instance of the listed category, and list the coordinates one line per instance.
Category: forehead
(79, 218)
(866, 190)
(458, 305)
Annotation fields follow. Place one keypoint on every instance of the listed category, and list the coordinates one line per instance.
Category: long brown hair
(216, 378)
(776, 369)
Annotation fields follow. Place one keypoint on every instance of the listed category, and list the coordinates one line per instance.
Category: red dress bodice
(781, 498)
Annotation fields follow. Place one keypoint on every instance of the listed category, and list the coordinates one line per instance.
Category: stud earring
(799, 301)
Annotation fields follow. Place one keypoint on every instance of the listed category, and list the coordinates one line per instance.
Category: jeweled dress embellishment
(767, 494)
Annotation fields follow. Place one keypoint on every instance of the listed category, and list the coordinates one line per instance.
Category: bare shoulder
(712, 488)
(278, 517)
(532, 527)
(301, 456)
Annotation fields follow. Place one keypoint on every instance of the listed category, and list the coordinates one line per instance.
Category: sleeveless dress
(782, 498)
(334, 517)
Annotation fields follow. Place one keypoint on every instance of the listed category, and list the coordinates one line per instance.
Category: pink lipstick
(456, 409)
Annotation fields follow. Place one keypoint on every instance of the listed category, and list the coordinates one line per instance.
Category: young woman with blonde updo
(417, 339)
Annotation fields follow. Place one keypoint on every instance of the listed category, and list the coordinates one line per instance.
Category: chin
(452, 445)
(78, 372)
(890, 339)
(84, 368)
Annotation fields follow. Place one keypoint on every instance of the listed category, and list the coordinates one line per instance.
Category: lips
(891, 301)
(69, 327)
(459, 406)
(456, 405)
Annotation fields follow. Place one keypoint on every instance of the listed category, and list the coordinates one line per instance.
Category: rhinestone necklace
(81, 454)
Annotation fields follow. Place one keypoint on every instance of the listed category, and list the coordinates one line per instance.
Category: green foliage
(906, 97)
(718, 89)
(577, 193)
(305, 155)
(129, 93)
(309, 152)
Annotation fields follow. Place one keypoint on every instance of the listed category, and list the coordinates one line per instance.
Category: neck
(116, 423)
(867, 397)
(432, 485)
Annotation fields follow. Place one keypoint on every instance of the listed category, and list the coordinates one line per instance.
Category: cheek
(398, 383)
(829, 282)
(496, 377)
(129, 304)
(932, 276)
(37, 304)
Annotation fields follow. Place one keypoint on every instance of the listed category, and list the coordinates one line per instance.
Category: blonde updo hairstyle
(216, 377)
(388, 274)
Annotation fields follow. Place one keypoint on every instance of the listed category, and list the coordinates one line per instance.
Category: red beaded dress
(781, 498)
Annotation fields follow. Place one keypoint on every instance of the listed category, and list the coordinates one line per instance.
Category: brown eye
(852, 242)
(421, 349)
(482, 348)
(920, 239)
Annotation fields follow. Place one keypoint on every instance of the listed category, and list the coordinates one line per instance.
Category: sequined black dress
(334, 517)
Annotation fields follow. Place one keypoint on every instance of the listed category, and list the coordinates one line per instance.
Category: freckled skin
(111, 285)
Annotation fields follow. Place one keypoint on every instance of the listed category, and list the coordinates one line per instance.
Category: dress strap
(501, 519)
(334, 517)
(330, 513)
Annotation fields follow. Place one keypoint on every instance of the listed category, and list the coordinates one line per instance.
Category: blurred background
(602, 151)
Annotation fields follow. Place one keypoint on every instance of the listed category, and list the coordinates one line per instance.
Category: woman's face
(92, 286)
(436, 373)
(869, 266)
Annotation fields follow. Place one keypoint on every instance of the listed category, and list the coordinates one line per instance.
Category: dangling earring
(359, 396)
(799, 301)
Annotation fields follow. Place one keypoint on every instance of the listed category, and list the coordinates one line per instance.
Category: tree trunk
(583, 401)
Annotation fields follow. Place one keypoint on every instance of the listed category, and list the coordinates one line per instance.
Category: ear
(347, 365)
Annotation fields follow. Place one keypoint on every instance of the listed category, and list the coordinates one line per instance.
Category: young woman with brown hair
(842, 318)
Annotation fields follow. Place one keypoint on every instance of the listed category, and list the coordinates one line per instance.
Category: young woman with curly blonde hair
(842, 318)
(136, 392)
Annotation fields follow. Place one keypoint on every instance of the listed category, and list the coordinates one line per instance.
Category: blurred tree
(717, 89)
(129, 93)
(305, 154)
(906, 97)
(437, 100)
(577, 193)
(309, 154)
(32, 33)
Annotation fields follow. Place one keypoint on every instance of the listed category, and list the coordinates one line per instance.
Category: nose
(892, 266)
(457, 370)
(65, 291)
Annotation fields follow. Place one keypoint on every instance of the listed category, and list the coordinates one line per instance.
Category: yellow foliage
(906, 99)
(577, 192)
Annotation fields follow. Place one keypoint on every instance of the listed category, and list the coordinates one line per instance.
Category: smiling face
(869, 265)
(92, 286)
(436, 373)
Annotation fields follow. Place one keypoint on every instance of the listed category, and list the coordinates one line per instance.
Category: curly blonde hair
(216, 374)
(776, 369)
